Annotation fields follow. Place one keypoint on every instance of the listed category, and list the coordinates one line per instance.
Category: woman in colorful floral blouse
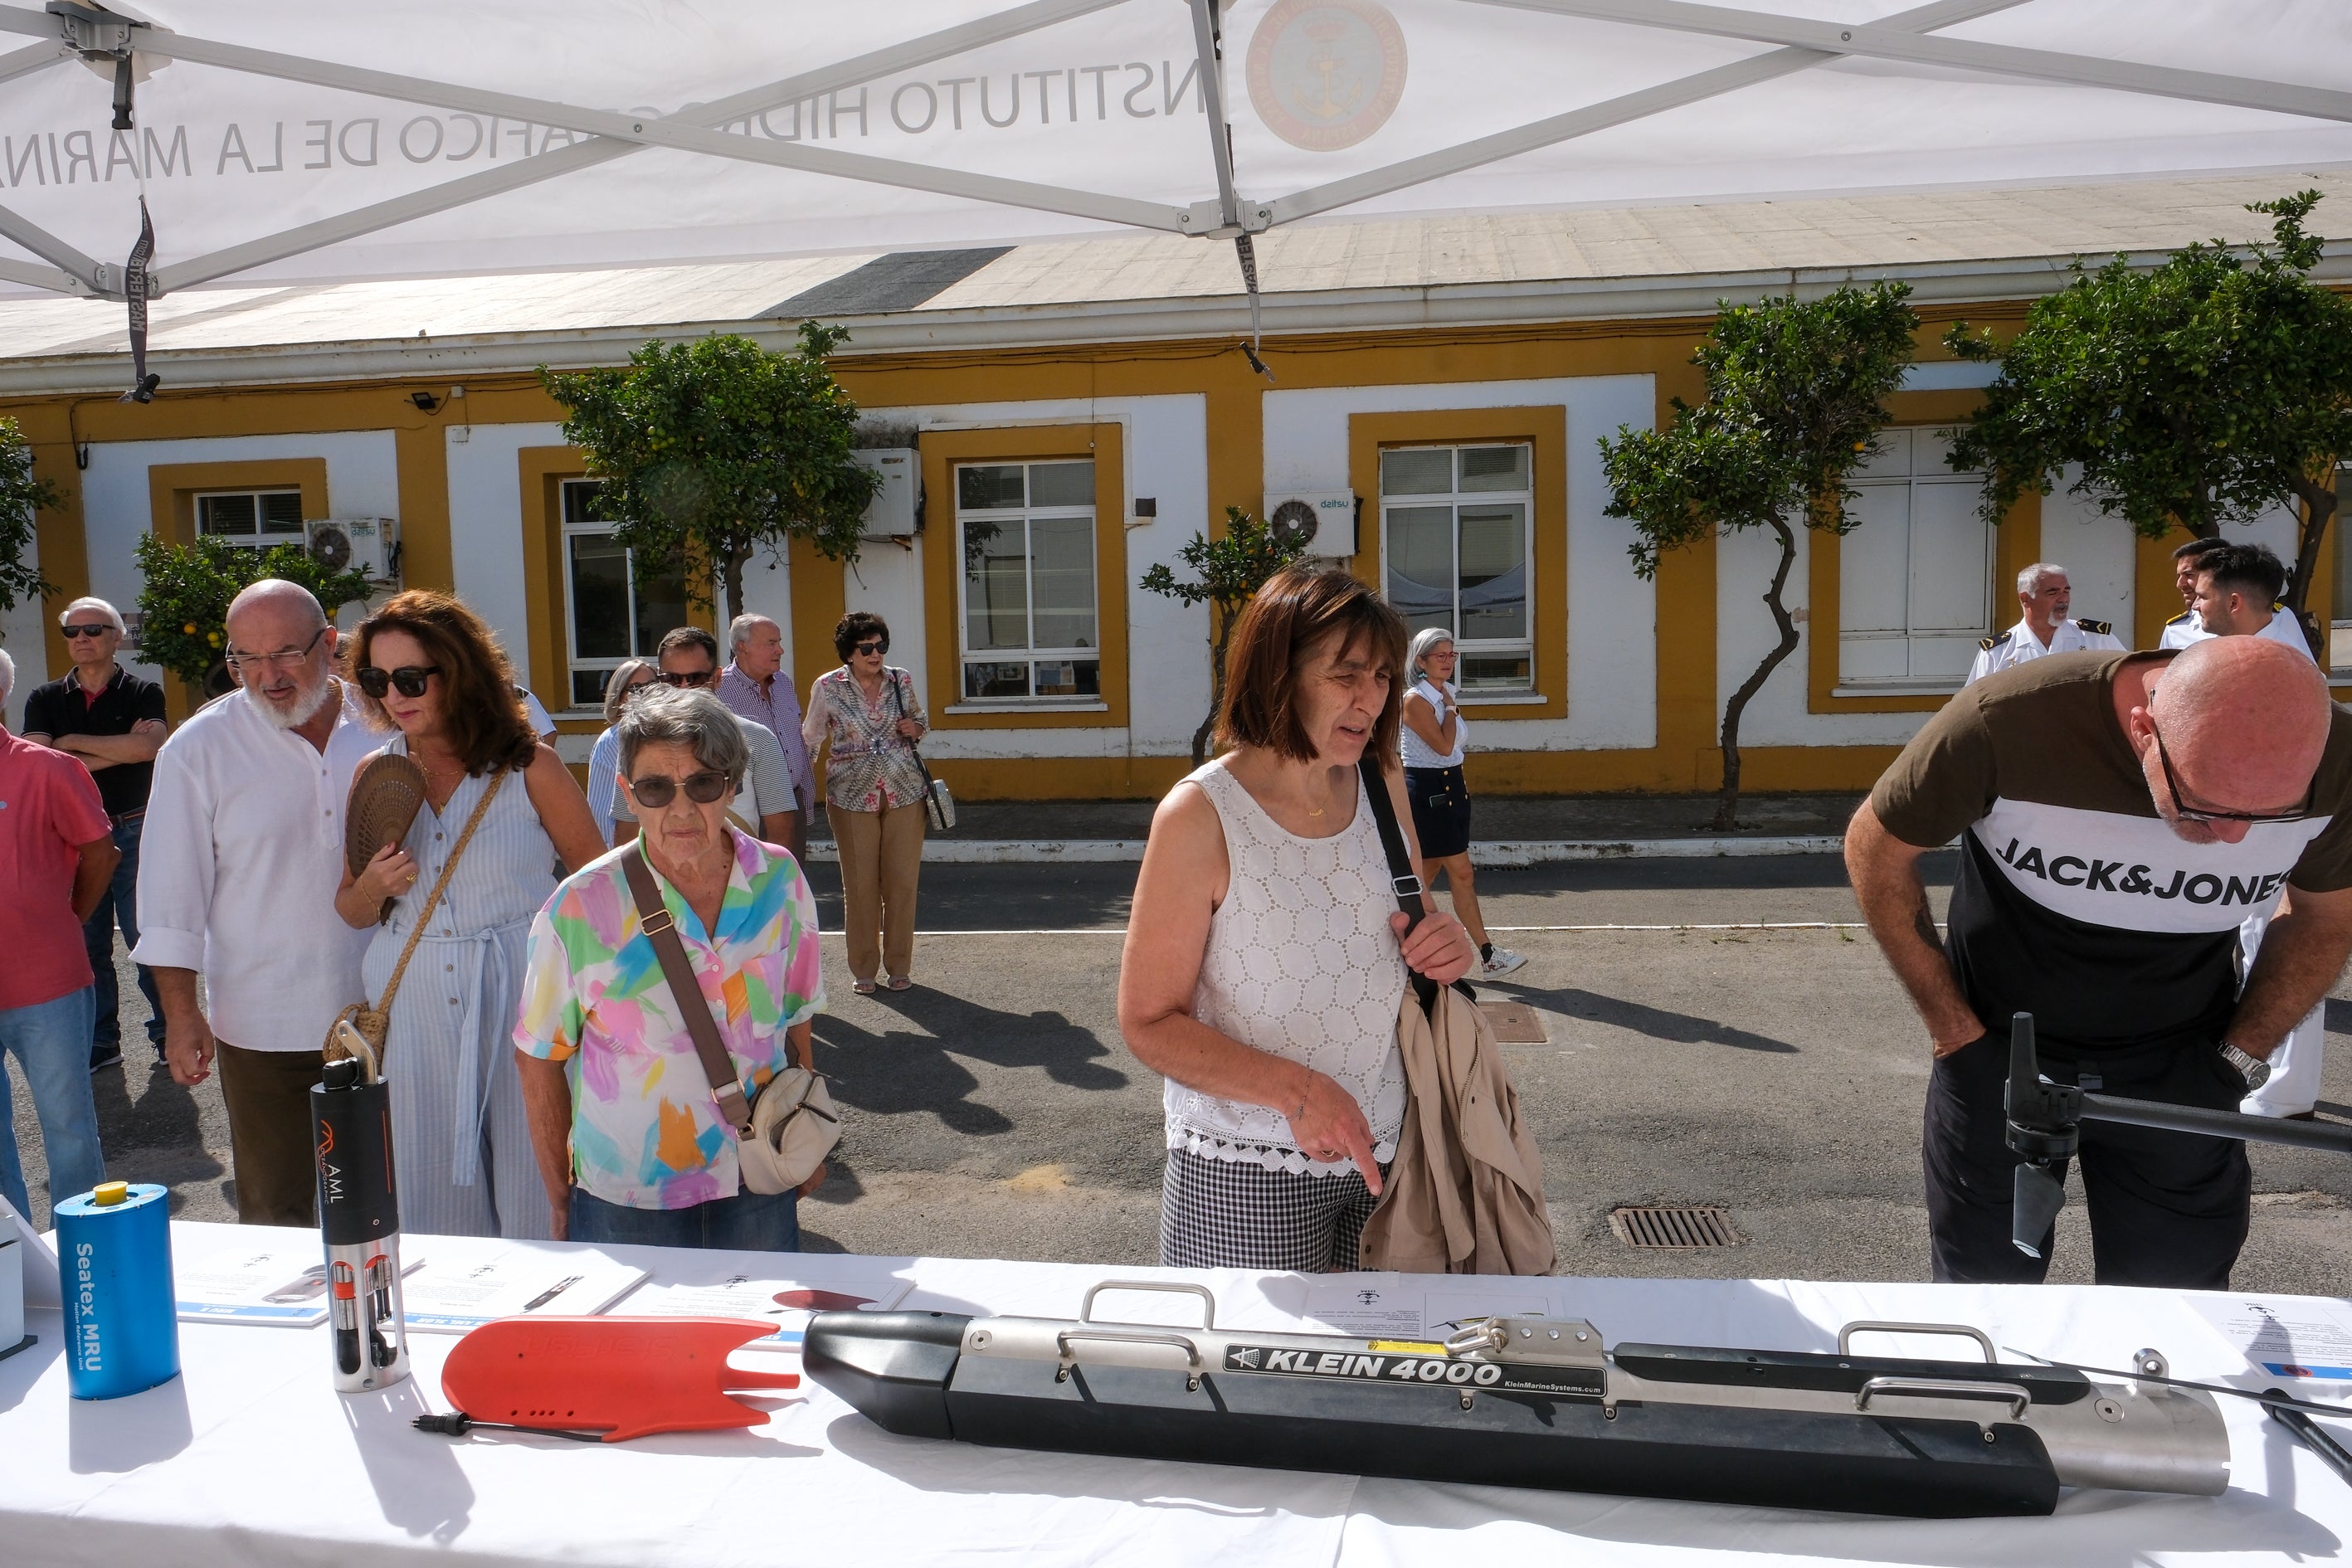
(630, 1140)
(873, 795)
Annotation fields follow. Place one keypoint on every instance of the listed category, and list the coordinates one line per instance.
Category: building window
(1456, 542)
(1915, 577)
(608, 615)
(252, 520)
(1028, 621)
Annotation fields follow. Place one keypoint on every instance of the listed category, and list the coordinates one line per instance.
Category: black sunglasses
(686, 676)
(872, 645)
(657, 790)
(95, 629)
(408, 679)
(2193, 813)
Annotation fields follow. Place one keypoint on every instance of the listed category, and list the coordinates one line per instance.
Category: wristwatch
(2253, 1068)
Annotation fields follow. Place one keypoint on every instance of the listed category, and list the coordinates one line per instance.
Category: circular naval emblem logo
(1325, 74)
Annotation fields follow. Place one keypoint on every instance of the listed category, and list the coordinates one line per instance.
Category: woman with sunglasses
(868, 713)
(427, 667)
(633, 1146)
(629, 677)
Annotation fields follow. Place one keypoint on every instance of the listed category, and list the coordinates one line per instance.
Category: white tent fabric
(286, 140)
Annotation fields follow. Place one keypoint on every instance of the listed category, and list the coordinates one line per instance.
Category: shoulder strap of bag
(1411, 895)
(440, 885)
(920, 765)
(654, 920)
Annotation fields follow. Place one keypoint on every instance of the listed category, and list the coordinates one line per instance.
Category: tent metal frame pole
(1596, 117)
(87, 274)
(1875, 41)
(652, 131)
(40, 57)
(541, 166)
(1227, 217)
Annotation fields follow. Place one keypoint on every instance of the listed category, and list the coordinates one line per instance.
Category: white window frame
(1034, 655)
(1920, 477)
(1457, 499)
(567, 531)
(257, 540)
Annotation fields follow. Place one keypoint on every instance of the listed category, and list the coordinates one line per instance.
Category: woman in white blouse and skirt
(1436, 736)
(1264, 966)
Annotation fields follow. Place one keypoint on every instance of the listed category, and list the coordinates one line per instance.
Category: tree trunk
(2318, 510)
(1727, 810)
(731, 579)
(1216, 682)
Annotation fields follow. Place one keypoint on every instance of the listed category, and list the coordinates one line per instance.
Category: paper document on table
(281, 1285)
(2304, 1340)
(1387, 1306)
(457, 1297)
(42, 1288)
(787, 1303)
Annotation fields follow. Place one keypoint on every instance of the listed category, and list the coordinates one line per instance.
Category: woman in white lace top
(1263, 969)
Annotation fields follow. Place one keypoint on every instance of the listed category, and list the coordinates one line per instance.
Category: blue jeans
(748, 1222)
(52, 1045)
(120, 902)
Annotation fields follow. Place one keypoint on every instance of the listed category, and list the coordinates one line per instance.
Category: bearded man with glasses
(243, 850)
(2119, 815)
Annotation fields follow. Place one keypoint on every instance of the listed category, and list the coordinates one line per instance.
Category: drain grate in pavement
(1515, 1023)
(1678, 1227)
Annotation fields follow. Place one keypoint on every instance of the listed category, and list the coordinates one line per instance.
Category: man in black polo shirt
(2119, 816)
(113, 721)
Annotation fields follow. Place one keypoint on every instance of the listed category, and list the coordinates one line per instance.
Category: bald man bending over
(2119, 815)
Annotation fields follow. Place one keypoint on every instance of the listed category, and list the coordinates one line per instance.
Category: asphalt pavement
(1719, 1031)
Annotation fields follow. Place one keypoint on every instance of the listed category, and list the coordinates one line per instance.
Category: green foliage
(1229, 570)
(184, 605)
(2207, 391)
(713, 449)
(21, 495)
(1796, 393)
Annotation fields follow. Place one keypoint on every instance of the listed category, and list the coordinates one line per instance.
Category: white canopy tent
(283, 141)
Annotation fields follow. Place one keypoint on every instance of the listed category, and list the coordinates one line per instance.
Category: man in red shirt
(57, 853)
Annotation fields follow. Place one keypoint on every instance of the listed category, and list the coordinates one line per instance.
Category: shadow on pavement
(152, 1130)
(900, 1070)
(951, 897)
(1683, 1028)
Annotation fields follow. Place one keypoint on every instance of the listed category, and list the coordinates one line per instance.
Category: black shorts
(1441, 811)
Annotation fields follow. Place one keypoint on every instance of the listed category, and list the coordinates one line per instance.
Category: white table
(250, 1457)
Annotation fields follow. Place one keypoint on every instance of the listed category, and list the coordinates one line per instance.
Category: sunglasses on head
(408, 679)
(686, 676)
(872, 645)
(657, 790)
(95, 629)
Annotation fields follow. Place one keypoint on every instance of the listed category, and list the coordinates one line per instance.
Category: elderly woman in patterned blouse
(868, 712)
(631, 1142)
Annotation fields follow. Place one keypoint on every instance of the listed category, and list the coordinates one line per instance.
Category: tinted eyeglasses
(284, 658)
(687, 678)
(2197, 814)
(95, 629)
(872, 645)
(408, 679)
(657, 790)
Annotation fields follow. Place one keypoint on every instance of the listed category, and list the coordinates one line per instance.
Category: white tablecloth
(250, 1457)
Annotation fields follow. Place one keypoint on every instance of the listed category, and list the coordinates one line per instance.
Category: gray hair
(695, 720)
(617, 687)
(112, 616)
(7, 675)
(1424, 642)
(741, 627)
(2028, 582)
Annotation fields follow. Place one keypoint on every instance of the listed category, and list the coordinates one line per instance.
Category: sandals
(900, 982)
(862, 987)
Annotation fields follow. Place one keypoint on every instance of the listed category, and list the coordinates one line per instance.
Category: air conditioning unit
(892, 513)
(1324, 521)
(368, 544)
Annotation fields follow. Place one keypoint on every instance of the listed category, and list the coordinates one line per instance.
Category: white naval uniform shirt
(2185, 628)
(2019, 643)
(246, 825)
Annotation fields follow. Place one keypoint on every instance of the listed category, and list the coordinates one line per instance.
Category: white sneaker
(1502, 963)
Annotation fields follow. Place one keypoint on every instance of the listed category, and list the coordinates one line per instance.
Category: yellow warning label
(1406, 1347)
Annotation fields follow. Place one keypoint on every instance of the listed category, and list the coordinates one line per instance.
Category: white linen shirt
(238, 863)
(2187, 627)
(2019, 643)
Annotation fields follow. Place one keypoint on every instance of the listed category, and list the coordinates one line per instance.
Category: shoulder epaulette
(1988, 644)
(2102, 628)
(2278, 606)
(2180, 617)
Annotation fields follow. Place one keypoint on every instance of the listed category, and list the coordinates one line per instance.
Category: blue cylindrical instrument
(114, 1263)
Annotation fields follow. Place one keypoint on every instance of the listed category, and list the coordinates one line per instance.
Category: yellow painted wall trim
(943, 564)
(1545, 429)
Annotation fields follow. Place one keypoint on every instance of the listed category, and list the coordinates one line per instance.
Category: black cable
(457, 1423)
(2277, 1398)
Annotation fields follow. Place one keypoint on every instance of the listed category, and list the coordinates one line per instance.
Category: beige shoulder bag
(359, 1030)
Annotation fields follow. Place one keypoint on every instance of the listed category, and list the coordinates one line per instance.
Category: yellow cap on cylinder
(108, 1193)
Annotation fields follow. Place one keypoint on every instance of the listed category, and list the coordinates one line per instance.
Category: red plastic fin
(629, 1377)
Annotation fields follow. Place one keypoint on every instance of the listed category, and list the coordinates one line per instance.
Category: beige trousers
(881, 857)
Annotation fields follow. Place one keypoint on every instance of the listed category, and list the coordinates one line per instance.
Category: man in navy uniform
(2234, 592)
(2046, 596)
